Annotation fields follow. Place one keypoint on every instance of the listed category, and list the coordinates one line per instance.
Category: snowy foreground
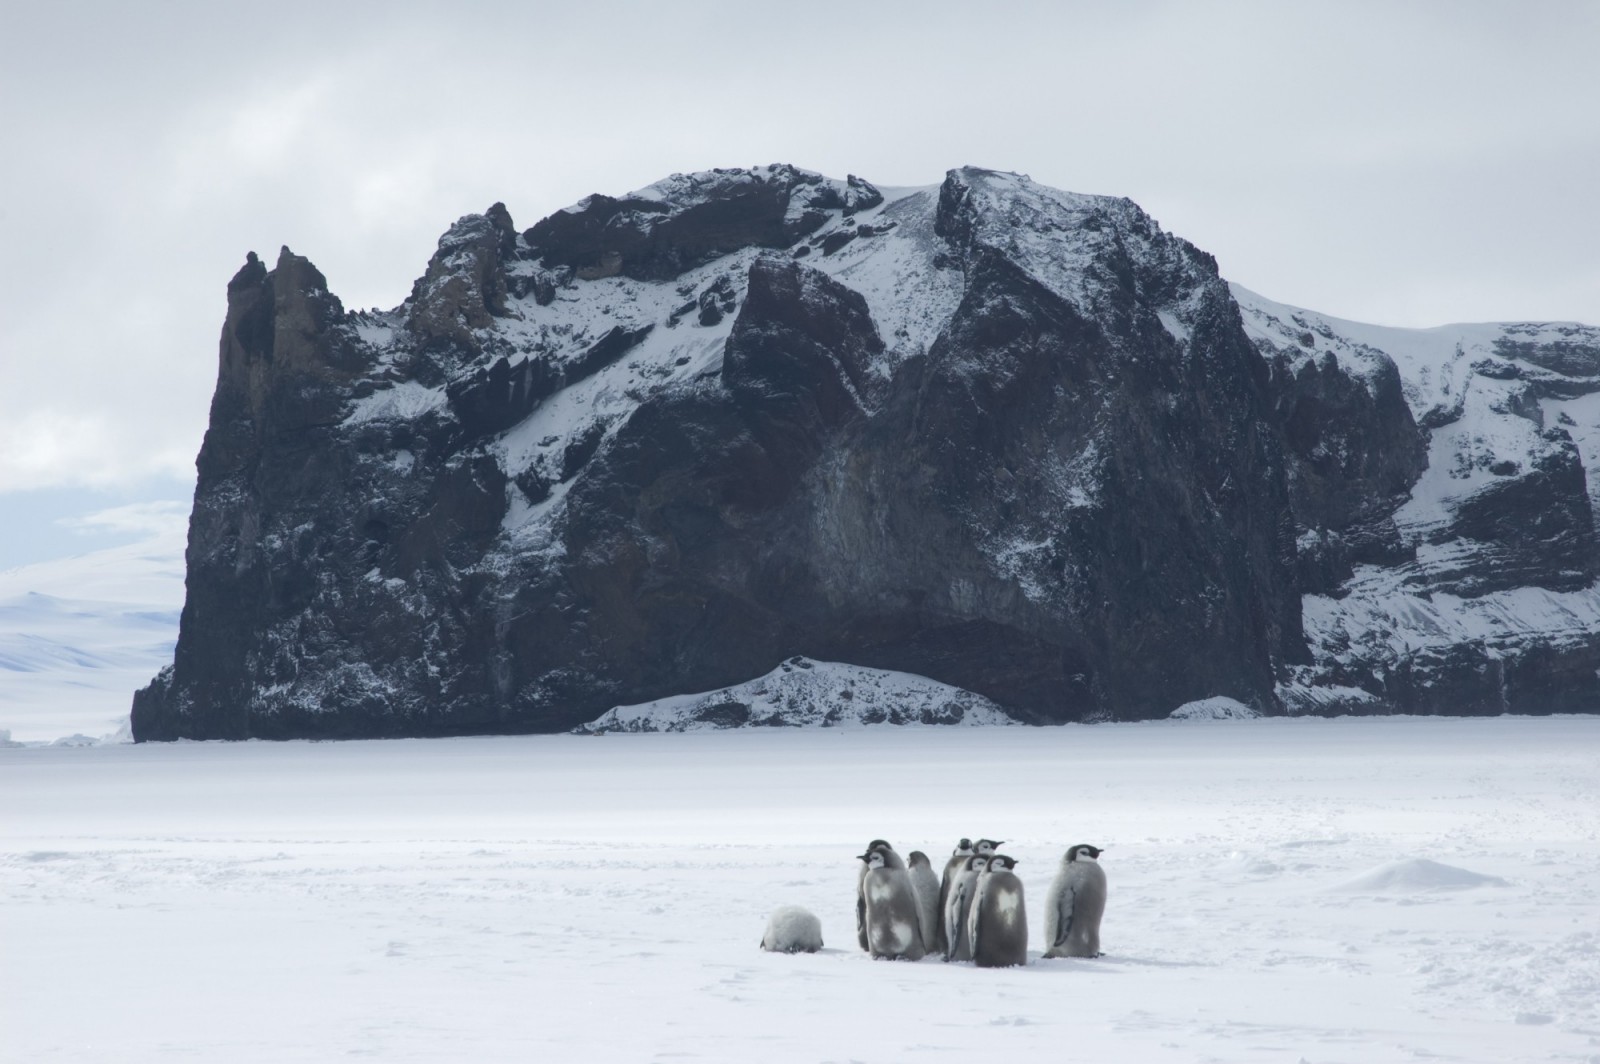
(1321, 890)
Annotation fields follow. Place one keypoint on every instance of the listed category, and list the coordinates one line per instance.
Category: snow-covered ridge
(1489, 394)
(1074, 244)
(806, 693)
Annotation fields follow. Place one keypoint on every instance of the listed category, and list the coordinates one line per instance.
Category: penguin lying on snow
(791, 929)
(997, 929)
(1076, 901)
(891, 910)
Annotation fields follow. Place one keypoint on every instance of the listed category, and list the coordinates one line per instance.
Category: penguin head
(975, 863)
(1084, 852)
(987, 846)
(916, 858)
(964, 846)
(874, 858)
(1001, 863)
(878, 844)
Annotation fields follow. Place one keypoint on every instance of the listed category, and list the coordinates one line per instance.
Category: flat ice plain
(1359, 890)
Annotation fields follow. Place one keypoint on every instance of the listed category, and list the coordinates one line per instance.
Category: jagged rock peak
(1102, 254)
(662, 230)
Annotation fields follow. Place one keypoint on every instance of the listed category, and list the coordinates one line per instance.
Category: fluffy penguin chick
(926, 887)
(891, 860)
(791, 929)
(958, 908)
(998, 926)
(952, 868)
(1075, 904)
(891, 915)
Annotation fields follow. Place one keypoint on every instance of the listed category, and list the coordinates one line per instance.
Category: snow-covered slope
(806, 693)
(80, 634)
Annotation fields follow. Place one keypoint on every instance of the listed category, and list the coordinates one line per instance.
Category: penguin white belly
(892, 930)
(998, 925)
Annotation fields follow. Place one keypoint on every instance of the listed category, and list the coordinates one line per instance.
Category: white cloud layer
(1404, 164)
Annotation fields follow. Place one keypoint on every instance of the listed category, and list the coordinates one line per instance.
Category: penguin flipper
(975, 924)
(1064, 907)
(861, 920)
(955, 907)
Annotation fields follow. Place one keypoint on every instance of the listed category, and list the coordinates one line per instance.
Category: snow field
(500, 898)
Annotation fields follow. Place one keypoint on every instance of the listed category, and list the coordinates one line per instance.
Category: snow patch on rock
(806, 693)
(1219, 707)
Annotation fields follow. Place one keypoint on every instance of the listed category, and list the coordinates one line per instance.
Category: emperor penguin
(997, 929)
(958, 908)
(926, 888)
(952, 868)
(891, 910)
(1075, 904)
(891, 860)
(791, 929)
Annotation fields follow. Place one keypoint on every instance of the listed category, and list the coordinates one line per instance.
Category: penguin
(952, 868)
(986, 847)
(1076, 901)
(892, 860)
(891, 910)
(958, 907)
(926, 888)
(997, 929)
(791, 929)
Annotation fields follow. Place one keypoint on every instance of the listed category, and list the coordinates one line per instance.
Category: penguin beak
(863, 856)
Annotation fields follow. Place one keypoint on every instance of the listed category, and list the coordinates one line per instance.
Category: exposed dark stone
(716, 302)
(603, 352)
(654, 240)
(1574, 358)
(836, 240)
(1535, 529)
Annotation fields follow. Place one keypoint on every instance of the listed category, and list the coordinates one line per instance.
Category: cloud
(1406, 164)
(140, 518)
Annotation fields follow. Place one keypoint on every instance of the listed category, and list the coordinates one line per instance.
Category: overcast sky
(1409, 164)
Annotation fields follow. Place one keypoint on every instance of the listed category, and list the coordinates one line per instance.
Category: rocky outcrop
(1489, 603)
(1018, 442)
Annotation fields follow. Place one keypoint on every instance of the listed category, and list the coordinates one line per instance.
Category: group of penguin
(975, 913)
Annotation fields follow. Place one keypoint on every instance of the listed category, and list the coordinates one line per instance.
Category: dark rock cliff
(1014, 440)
